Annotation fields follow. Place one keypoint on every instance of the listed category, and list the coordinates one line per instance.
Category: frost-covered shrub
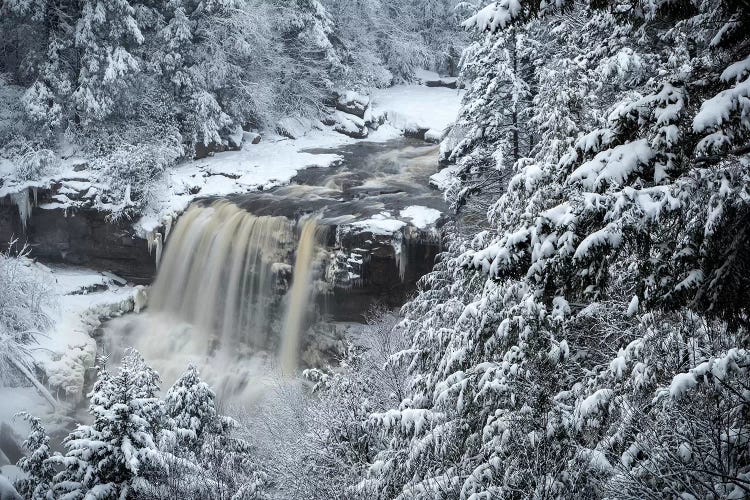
(133, 173)
(130, 159)
(24, 294)
(36, 163)
(317, 444)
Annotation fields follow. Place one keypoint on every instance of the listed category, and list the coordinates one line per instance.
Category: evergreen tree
(550, 351)
(116, 456)
(37, 464)
(190, 404)
(107, 36)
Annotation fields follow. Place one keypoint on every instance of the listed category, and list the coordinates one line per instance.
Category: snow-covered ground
(272, 162)
(414, 107)
(82, 298)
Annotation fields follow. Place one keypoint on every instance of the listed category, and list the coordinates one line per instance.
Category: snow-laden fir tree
(117, 455)
(190, 404)
(107, 37)
(205, 457)
(551, 352)
(36, 465)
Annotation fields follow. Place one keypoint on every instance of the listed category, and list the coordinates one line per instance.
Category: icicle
(158, 243)
(167, 227)
(402, 257)
(23, 202)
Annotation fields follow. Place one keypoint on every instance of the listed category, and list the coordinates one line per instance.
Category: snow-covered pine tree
(36, 464)
(312, 61)
(206, 458)
(39, 34)
(107, 37)
(190, 404)
(492, 132)
(117, 455)
(539, 346)
(643, 169)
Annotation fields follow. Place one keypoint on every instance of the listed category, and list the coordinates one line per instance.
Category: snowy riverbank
(275, 160)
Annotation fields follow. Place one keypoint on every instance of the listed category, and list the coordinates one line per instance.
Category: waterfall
(218, 299)
(219, 273)
(299, 297)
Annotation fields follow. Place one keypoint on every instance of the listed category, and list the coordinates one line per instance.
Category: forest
(583, 331)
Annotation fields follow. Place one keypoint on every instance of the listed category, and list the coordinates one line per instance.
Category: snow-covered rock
(350, 125)
(416, 107)
(443, 179)
(353, 103)
(420, 216)
(295, 127)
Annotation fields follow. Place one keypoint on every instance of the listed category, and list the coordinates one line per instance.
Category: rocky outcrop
(349, 125)
(372, 268)
(82, 236)
(446, 82)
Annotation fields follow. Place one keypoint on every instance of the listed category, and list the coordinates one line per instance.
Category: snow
(19, 399)
(737, 70)
(681, 384)
(595, 403)
(632, 307)
(7, 491)
(421, 216)
(272, 162)
(717, 110)
(443, 179)
(493, 16)
(414, 107)
(383, 224)
(597, 460)
(614, 165)
(67, 350)
(607, 237)
(355, 97)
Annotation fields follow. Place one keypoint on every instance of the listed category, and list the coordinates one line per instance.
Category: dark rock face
(419, 133)
(378, 273)
(80, 237)
(449, 83)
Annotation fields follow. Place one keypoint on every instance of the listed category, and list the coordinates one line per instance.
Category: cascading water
(299, 297)
(220, 273)
(236, 284)
(218, 300)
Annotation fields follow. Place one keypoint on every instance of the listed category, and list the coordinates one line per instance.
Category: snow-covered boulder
(7, 491)
(349, 125)
(251, 138)
(353, 103)
(295, 127)
(434, 136)
(235, 138)
(447, 82)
